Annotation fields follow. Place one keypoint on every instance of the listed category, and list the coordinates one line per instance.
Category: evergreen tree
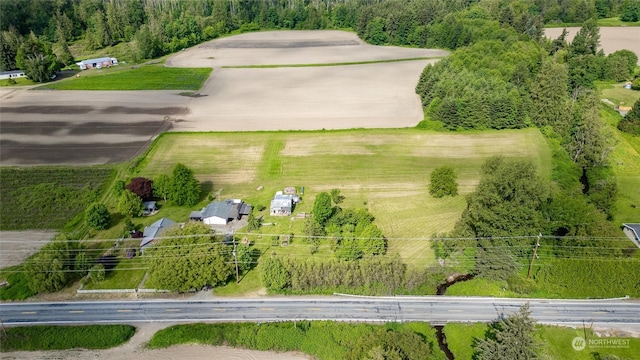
(509, 339)
(322, 209)
(185, 189)
(549, 101)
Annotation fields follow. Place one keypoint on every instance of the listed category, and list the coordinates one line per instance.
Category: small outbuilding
(282, 205)
(149, 207)
(97, 63)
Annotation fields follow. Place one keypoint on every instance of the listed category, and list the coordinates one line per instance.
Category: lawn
(619, 95)
(140, 77)
(34, 338)
(386, 171)
(555, 342)
(625, 162)
(23, 81)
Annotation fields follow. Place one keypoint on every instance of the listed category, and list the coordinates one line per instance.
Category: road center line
(172, 310)
(267, 309)
(125, 310)
(219, 309)
(76, 311)
(455, 310)
(28, 312)
(314, 309)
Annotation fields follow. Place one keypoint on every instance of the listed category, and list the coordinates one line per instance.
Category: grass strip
(32, 338)
(136, 78)
(325, 64)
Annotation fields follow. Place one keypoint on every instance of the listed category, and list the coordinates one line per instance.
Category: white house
(13, 74)
(282, 205)
(97, 63)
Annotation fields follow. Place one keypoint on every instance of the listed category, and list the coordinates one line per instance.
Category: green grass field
(618, 95)
(326, 64)
(34, 338)
(386, 171)
(555, 342)
(141, 77)
(18, 82)
(625, 162)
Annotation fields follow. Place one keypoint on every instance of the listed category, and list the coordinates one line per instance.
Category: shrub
(443, 182)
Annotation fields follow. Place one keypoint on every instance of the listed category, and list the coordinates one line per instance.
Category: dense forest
(502, 74)
(36, 34)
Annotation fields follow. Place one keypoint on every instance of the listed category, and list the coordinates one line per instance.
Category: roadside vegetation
(323, 340)
(34, 338)
(553, 342)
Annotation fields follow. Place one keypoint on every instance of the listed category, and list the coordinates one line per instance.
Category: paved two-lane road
(612, 313)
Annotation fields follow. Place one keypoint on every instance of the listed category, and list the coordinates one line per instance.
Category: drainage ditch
(441, 290)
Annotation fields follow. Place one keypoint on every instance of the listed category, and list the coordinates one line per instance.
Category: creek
(441, 290)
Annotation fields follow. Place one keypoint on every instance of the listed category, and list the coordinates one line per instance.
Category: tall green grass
(144, 77)
(34, 338)
(553, 342)
(321, 339)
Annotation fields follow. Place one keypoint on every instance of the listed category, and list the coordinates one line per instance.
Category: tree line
(157, 27)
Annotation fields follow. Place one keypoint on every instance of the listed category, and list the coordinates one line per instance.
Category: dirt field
(45, 127)
(15, 246)
(611, 38)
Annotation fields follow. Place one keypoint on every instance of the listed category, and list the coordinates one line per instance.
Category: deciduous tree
(142, 187)
(97, 216)
(162, 186)
(130, 204)
(189, 257)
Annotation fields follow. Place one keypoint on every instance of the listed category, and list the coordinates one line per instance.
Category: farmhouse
(13, 74)
(97, 63)
(633, 232)
(221, 212)
(282, 205)
(153, 231)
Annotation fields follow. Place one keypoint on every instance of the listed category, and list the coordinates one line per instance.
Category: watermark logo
(578, 343)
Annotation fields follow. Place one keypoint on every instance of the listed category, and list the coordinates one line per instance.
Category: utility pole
(235, 256)
(535, 254)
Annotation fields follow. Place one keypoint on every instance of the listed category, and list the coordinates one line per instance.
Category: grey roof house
(221, 212)
(282, 205)
(154, 231)
(633, 232)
